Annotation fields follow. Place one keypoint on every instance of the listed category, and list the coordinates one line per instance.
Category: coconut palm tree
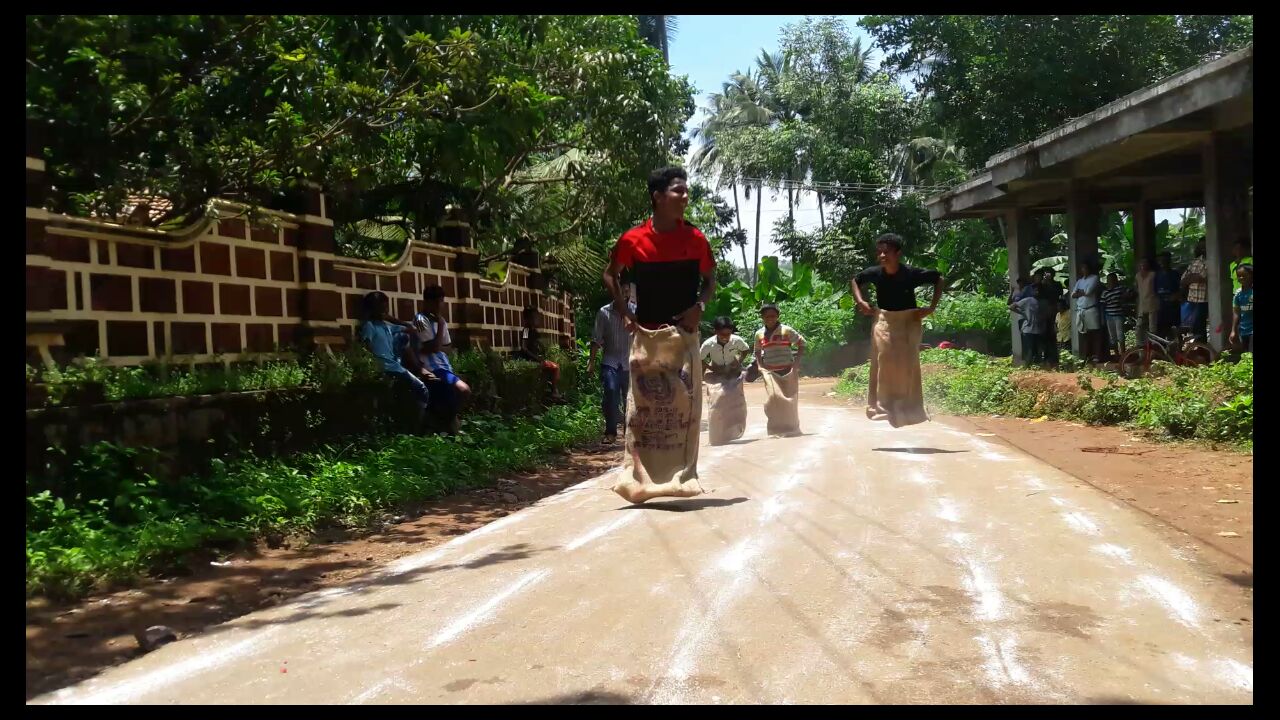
(657, 30)
(736, 105)
(918, 161)
(926, 158)
(774, 71)
(860, 66)
(706, 158)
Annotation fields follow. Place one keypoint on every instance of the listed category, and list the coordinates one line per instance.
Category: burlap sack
(782, 402)
(895, 369)
(664, 417)
(726, 408)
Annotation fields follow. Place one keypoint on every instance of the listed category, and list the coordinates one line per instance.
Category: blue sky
(707, 48)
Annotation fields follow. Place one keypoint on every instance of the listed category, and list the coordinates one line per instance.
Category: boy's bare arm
(863, 306)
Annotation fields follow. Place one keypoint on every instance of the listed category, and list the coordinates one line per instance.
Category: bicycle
(1177, 350)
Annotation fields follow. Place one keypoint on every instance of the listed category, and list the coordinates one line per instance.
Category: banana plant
(774, 285)
(1116, 249)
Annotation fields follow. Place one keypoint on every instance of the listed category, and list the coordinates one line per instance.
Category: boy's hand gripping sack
(664, 417)
(895, 367)
(782, 402)
(726, 408)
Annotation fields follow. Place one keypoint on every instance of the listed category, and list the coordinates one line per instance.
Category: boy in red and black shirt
(668, 259)
(672, 272)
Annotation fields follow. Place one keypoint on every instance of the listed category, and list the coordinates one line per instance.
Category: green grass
(122, 524)
(1213, 403)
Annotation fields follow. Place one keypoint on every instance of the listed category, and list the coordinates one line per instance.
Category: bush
(482, 369)
(499, 384)
(854, 381)
(153, 380)
(954, 357)
(522, 386)
(969, 390)
(825, 325)
(985, 315)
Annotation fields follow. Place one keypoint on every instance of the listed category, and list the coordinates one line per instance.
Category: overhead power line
(818, 185)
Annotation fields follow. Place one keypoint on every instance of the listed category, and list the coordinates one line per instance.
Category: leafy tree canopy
(1000, 80)
(541, 128)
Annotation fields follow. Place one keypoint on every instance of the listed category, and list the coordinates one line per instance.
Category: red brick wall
(229, 290)
(480, 313)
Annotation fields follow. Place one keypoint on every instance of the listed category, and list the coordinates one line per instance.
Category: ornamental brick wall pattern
(227, 291)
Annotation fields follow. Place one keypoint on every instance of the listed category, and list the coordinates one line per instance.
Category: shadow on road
(507, 553)
(254, 624)
(687, 505)
(1243, 579)
(918, 450)
(590, 697)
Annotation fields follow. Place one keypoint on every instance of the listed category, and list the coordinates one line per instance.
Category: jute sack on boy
(895, 366)
(664, 417)
(782, 402)
(726, 408)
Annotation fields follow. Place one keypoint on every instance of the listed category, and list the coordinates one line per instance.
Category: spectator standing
(612, 335)
(1116, 299)
(1148, 300)
(1048, 294)
(1243, 256)
(531, 350)
(1088, 297)
(1195, 309)
(1242, 309)
(1064, 324)
(1168, 293)
(1027, 307)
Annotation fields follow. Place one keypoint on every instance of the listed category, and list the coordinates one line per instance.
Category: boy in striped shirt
(775, 343)
(1117, 305)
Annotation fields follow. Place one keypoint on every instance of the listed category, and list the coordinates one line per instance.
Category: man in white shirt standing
(612, 334)
(433, 343)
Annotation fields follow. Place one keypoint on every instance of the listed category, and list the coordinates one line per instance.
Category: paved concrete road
(855, 564)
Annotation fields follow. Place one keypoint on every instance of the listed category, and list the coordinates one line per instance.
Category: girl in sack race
(722, 356)
(894, 392)
(673, 274)
(778, 350)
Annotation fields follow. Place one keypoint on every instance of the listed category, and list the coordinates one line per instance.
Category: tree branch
(169, 88)
(477, 107)
(542, 181)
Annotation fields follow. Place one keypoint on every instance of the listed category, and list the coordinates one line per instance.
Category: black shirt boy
(897, 291)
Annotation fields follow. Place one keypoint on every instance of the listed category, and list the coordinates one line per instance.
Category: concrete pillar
(1224, 211)
(1144, 233)
(1019, 233)
(1083, 217)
